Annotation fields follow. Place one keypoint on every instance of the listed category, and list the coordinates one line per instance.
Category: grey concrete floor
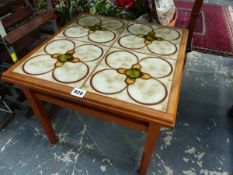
(200, 144)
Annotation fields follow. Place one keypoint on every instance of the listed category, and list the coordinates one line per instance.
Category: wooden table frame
(134, 116)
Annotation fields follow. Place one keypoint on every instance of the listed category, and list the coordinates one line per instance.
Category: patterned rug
(214, 27)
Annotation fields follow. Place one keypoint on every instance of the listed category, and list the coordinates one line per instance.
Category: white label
(78, 92)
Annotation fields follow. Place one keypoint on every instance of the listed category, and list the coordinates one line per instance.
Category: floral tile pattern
(98, 30)
(63, 61)
(127, 61)
(150, 39)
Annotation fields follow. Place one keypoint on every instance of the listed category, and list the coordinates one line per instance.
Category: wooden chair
(19, 29)
(18, 26)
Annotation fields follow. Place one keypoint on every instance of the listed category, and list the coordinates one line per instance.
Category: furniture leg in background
(192, 22)
(7, 113)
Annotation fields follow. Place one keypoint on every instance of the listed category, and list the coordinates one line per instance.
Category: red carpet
(214, 28)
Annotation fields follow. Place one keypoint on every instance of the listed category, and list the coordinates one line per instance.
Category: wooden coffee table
(131, 73)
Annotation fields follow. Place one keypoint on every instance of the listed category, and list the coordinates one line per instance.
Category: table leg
(39, 110)
(149, 145)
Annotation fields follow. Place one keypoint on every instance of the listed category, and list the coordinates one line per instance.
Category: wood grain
(99, 113)
(18, 16)
(149, 145)
(176, 84)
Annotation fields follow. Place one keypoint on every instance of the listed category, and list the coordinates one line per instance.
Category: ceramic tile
(63, 61)
(98, 30)
(133, 77)
(150, 39)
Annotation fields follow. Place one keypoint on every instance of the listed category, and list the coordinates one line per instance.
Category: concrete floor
(200, 144)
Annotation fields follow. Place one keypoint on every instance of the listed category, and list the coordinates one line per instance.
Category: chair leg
(192, 22)
(189, 47)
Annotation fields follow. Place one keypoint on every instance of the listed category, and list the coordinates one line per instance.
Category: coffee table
(131, 73)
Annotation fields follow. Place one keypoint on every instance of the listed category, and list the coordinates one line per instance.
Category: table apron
(96, 112)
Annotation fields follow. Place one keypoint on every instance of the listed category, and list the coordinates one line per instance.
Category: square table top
(129, 65)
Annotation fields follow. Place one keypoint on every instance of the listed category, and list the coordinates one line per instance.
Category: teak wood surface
(134, 116)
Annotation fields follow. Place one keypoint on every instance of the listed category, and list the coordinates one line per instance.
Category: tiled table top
(123, 60)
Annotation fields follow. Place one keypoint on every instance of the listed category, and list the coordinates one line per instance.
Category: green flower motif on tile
(133, 73)
(63, 58)
(150, 37)
(95, 28)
